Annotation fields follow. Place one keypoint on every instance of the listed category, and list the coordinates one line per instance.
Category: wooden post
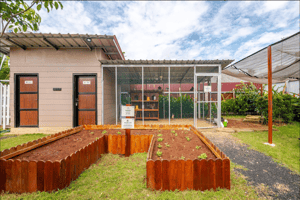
(270, 94)
(128, 139)
(261, 90)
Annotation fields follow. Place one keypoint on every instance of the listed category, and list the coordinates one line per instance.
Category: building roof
(223, 63)
(108, 43)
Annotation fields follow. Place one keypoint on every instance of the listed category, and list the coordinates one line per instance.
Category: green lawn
(287, 145)
(234, 116)
(14, 141)
(115, 177)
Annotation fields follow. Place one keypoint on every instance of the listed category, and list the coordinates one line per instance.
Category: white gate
(4, 108)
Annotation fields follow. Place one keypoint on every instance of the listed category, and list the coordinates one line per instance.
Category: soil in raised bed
(180, 147)
(64, 147)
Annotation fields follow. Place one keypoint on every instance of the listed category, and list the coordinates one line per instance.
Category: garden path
(270, 179)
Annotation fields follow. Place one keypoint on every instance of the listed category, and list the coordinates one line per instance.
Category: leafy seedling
(202, 156)
(188, 139)
(198, 147)
(172, 131)
(97, 138)
(159, 146)
(185, 132)
(159, 153)
(159, 135)
(159, 131)
(182, 158)
(119, 132)
(167, 145)
(103, 132)
(160, 139)
(92, 133)
(175, 134)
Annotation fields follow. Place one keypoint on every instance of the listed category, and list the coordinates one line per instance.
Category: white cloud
(242, 32)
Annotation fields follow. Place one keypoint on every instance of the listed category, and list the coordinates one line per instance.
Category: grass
(20, 139)
(115, 177)
(286, 150)
(234, 116)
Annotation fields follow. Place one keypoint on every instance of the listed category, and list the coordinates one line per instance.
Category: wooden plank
(40, 175)
(63, 173)
(188, 175)
(24, 176)
(73, 167)
(219, 173)
(138, 144)
(204, 175)
(109, 143)
(150, 165)
(114, 144)
(78, 168)
(180, 175)
(165, 175)
(197, 174)
(21, 151)
(56, 175)
(119, 144)
(158, 175)
(132, 144)
(17, 176)
(226, 173)
(86, 157)
(9, 175)
(142, 148)
(146, 143)
(151, 146)
(173, 174)
(48, 176)
(32, 176)
(211, 174)
(99, 144)
(2, 175)
(68, 171)
(123, 144)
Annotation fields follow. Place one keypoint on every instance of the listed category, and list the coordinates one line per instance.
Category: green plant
(182, 157)
(159, 131)
(119, 132)
(159, 135)
(167, 145)
(188, 139)
(175, 134)
(91, 132)
(202, 156)
(97, 138)
(159, 153)
(160, 139)
(159, 146)
(198, 147)
(103, 132)
(172, 131)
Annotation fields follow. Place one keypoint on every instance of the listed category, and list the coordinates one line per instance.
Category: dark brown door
(85, 100)
(27, 101)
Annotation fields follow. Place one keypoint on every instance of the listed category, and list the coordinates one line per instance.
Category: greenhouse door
(207, 101)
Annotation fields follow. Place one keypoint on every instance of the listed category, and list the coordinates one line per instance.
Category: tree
(20, 16)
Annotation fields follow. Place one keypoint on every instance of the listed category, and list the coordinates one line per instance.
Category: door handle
(76, 101)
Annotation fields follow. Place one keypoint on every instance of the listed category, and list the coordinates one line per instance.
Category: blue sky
(179, 30)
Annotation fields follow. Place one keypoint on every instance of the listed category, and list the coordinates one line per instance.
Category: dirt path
(262, 171)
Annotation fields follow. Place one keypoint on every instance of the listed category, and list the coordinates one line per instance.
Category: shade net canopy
(285, 63)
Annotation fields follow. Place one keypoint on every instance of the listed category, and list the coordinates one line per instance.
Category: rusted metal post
(270, 94)
(261, 90)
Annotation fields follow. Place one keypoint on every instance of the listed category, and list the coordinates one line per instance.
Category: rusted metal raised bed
(20, 176)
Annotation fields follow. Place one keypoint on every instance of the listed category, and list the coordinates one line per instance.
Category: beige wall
(55, 70)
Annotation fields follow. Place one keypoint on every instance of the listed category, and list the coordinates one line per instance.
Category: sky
(181, 30)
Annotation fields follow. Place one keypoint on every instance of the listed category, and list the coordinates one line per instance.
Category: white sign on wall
(127, 123)
(207, 88)
(127, 111)
(86, 82)
(28, 82)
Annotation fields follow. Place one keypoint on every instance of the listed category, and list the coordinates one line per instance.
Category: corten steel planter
(20, 176)
(190, 174)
